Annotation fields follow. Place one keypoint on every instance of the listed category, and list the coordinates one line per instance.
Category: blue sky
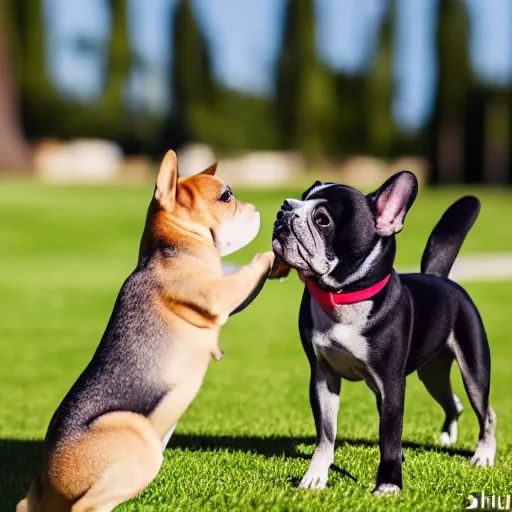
(245, 37)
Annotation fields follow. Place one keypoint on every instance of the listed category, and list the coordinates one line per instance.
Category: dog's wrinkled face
(335, 233)
(204, 203)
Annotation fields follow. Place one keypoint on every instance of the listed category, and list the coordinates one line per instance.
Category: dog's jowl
(360, 320)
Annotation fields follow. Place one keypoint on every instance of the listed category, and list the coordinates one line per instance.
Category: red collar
(329, 300)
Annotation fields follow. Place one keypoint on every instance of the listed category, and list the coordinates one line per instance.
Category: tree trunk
(14, 150)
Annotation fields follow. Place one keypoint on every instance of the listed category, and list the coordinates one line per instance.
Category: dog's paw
(484, 455)
(315, 478)
(387, 490)
(449, 437)
(445, 440)
(450, 432)
(265, 258)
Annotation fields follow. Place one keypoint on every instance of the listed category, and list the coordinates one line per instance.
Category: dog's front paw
(484, 455)
(387, 490)
(315, 478)
(266, 259)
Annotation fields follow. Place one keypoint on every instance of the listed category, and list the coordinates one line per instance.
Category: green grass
(246, 440)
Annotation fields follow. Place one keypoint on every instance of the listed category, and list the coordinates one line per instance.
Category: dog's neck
(329, 300)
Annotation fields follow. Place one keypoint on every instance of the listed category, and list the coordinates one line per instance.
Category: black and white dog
(360, 320)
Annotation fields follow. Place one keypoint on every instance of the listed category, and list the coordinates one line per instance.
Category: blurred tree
(474, 118)
(39, 99)
(488, 129)
(117, 72)
(14, 150)
(306, 89)
(382, 130)
(193, 88)
(350, 135)
(445, 130)
(241, 122)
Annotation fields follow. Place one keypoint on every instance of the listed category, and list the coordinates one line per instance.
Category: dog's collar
(329, 300)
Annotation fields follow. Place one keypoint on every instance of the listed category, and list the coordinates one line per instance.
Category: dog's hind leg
(435, 375)
(113, 461)
(471, 349)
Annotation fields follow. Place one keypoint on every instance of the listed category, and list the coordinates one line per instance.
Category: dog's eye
(226, 196)
(322, 219)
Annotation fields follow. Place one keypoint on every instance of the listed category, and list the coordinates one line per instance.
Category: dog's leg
(324, 393)
(221, 297)
(472, 353)
(435, 375)
(390, 402)
(110, 463)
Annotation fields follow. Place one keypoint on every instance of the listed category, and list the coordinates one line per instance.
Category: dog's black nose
(280, 215)
(287, 206)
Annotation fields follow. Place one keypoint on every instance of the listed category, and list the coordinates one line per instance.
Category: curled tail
(447, 237)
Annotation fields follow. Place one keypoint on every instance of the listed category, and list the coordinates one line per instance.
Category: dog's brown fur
(117, 454)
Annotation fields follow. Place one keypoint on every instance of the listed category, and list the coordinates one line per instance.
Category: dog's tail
(447, 237)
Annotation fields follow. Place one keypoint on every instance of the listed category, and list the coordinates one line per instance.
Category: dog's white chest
(340, 341)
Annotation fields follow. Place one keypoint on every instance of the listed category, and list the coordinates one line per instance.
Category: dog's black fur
(344, 241)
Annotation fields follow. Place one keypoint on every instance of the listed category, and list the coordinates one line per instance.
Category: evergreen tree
(14, 151)
(193, 90)
(37, 92)
(351, 111)
(381, 124)
(118, 66)
(305, 88)
(445, 130)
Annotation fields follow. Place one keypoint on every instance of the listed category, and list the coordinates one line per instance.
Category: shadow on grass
(281, 445)
(20, 459)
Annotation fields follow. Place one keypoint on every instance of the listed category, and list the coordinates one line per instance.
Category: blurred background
(97, 90)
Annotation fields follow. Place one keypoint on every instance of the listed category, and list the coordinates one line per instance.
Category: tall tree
(14, 151)
(118, 67)
(305, 87)
(445, 131)
(193, 88)
(381, 124)
(38, 96)
(351, 112)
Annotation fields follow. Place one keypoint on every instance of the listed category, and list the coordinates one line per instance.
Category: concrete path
(479, 267)
(470, 267)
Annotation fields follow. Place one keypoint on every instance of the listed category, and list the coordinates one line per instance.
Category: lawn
(246, 440)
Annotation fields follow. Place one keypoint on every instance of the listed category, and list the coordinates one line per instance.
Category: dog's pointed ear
(391, 202)
(167, 180)
(211, 170)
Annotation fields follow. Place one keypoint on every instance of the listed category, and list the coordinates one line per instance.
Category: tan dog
(105, 441)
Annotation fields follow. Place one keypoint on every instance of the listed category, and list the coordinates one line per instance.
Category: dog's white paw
(315, 478)
(387, 490)
(484, 455)
(450, 438)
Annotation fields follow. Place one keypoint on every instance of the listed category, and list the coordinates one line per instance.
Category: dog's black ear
(310, 189)
(391, 202)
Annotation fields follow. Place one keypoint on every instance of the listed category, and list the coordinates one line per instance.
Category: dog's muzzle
(282, 223)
